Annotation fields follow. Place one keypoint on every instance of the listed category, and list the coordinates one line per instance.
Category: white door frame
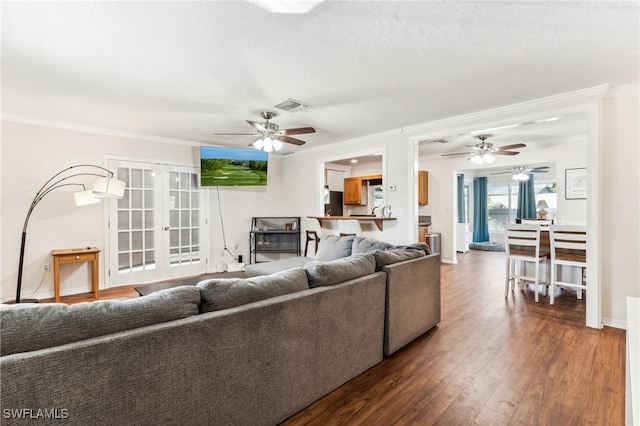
(587, 102)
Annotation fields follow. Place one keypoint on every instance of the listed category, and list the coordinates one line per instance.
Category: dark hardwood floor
(490, 361)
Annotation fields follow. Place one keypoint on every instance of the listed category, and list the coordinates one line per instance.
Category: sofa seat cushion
(225, 293)
(333, 247)
(339, 270)
(32, 326)
(267, 268)
(368, 245)
(391, 256)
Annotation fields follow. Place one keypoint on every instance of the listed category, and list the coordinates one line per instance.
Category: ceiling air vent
(291, 105)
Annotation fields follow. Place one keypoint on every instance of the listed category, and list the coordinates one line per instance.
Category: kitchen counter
(377, 220)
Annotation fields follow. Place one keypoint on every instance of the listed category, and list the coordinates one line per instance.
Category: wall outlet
(400, 212)
(45, 267)
(392, 187)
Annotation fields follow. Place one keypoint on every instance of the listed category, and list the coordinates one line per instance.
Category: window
(502, 200)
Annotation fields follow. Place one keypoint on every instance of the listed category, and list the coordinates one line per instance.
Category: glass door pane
(183, 205)
(134, 252)
(156, 227)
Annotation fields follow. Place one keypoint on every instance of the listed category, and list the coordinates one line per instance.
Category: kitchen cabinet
(423, 187)
(356, 189)
(353, 191)
(422, 233)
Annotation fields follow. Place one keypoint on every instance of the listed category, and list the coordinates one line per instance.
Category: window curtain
(526, 200)
(461, 216)
(480, 211)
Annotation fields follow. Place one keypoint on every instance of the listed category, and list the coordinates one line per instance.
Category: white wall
(30, 156)
(297, 179)
(620, 198)
(240, 204)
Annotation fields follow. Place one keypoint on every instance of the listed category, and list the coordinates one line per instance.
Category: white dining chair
(313, 231)
(568, 248)
(522, 246)
(349, 227)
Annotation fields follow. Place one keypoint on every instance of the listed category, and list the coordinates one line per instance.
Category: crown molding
(95, 130)
(563, 100)
(627, 89)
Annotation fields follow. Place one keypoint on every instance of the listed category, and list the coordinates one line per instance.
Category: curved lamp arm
(51, 185)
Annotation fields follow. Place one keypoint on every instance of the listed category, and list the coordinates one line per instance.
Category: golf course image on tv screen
(221, 166)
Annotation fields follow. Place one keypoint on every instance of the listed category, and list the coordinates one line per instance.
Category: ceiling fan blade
(298, 131)
(293, 141)
(457, 153)
(236, 134)
(505, 153)
(540, 169)
(259, 127)
(476, 147)
(514, 146)
(501, 173)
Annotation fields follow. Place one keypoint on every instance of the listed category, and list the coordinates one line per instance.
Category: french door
(156, 229)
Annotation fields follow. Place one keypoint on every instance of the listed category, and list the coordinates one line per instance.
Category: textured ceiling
(184, 70)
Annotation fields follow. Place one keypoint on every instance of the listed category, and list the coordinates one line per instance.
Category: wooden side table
(85, 254)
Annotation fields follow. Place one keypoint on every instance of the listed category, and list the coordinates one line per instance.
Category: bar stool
(526, 242)
(568, 248)
(313, 231)
(349, 227)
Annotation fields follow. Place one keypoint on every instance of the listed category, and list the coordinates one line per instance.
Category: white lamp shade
(277, 144)
(84, 198)
(488, 158)
(105, 187)
(542, 204)
(476, 159)
(257, 144)
(267, 145)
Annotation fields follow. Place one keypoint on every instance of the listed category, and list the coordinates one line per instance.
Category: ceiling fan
(522, 172)
(270, 136)
(484, 152)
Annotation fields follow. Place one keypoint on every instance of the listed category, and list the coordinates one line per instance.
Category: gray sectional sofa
(248, 351)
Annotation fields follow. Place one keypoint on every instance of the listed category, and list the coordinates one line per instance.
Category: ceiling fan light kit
(521, 173)
(270, 136)
(482, 158)
(520, 176)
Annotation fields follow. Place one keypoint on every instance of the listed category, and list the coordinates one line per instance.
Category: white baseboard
(449, 261)
(615, 323)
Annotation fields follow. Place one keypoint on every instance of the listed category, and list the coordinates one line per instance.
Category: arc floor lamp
(105, 186)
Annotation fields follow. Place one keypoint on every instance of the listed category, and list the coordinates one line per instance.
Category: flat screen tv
(222, 166)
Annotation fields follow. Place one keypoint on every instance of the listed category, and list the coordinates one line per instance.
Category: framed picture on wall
(575, 184)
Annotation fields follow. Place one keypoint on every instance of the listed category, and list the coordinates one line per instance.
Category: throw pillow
(333, 247)
(367, 245)
(29, 327)
(225, 293)
(339, 270)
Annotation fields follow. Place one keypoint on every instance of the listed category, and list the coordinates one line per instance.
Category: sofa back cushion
(225, 293)
(388, 257)
(333, 247)
(32, 326)
(368, 245)
(339, 270)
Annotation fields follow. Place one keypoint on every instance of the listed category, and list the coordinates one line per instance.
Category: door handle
(166, 228)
